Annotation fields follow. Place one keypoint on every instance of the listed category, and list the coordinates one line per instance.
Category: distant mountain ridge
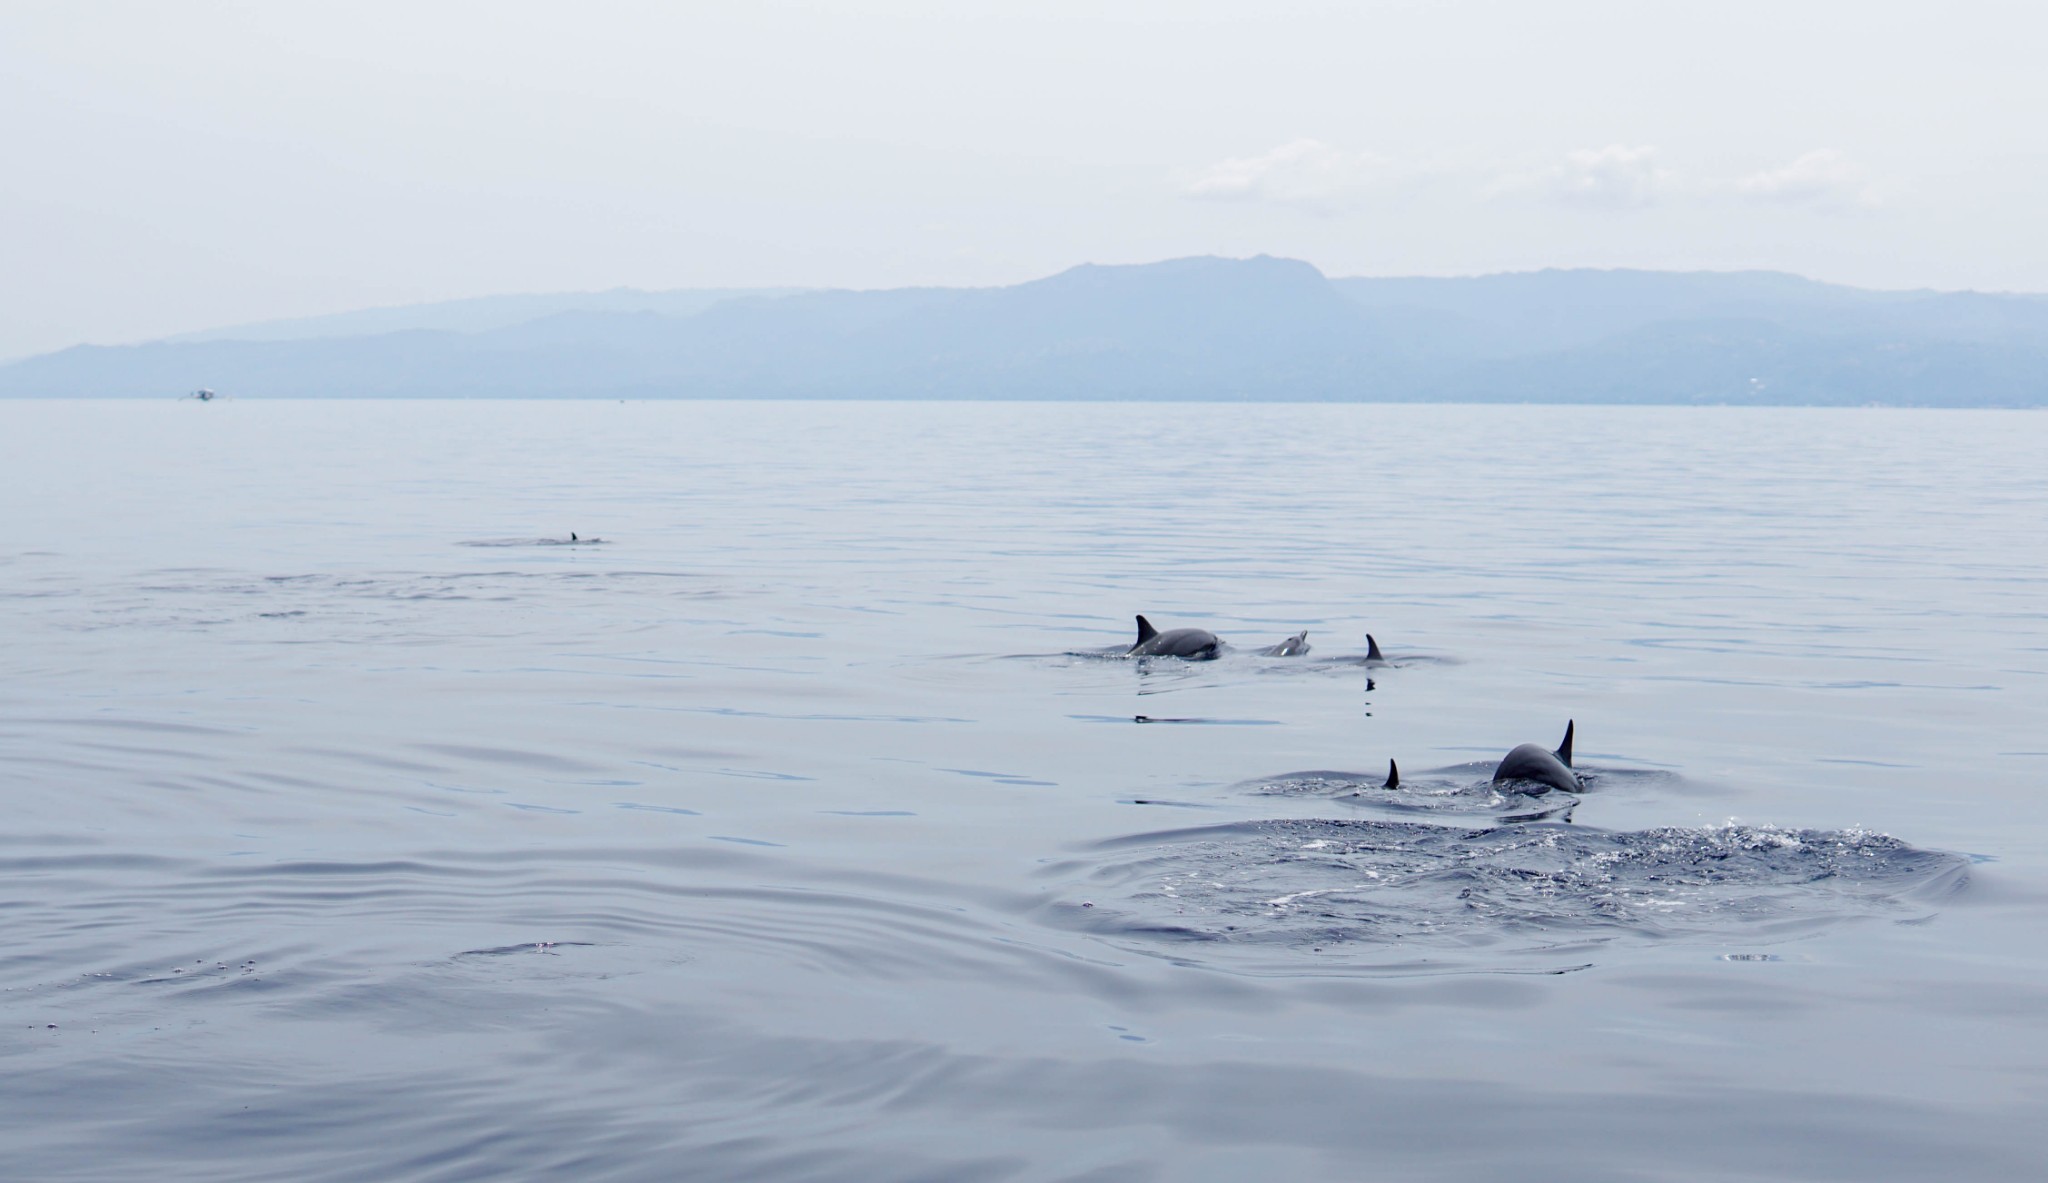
(477, 314)
(1263, 329)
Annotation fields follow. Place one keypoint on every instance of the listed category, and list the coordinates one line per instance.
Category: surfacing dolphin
(1529, 764)
(1293, 646)
(1191, 644)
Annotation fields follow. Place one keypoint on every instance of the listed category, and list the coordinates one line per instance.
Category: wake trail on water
(1317, 885)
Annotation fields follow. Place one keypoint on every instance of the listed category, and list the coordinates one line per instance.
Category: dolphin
(1533, 766)
(1393, 779)
(1194, 644)
(1293, 646)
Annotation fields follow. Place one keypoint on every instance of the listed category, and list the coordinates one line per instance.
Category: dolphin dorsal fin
(1372, 649)
(1145, 630)
(1393, 776)
(1564, 750)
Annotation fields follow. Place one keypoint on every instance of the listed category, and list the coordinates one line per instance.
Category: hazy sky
(168, 166)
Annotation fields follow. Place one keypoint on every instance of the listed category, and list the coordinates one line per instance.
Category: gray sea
(360, 826)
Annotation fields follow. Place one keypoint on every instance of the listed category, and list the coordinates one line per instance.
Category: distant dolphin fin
(1393, 776)
(1145, 631)
(1564, 750)
(1372, 649)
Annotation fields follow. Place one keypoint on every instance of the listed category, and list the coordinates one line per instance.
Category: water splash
(1308, 883)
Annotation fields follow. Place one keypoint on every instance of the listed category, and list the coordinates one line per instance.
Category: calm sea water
(354, 831)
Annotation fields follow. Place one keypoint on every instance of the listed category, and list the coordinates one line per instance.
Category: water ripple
(1311, 886)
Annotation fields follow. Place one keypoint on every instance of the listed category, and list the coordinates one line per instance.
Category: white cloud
(1824, 177)
(1305, 173)
(1614, 176)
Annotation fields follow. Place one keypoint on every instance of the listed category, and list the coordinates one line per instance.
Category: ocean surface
(359, 826)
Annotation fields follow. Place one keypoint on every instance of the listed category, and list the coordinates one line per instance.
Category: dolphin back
(1531, 764)
(1293, 646)
(1194, 644)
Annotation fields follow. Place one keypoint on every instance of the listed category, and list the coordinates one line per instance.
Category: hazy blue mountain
(1757, 362)
(1205, 328)
(1536, 311)
(476, 315)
